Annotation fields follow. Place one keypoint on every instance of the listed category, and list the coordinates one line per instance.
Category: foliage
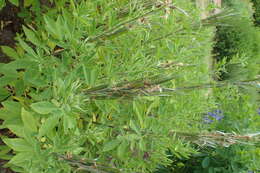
(256, 6)
(220, 160)
(108, 86)
(17, 3)
(237, 43)
(56, 69)
(237, 113)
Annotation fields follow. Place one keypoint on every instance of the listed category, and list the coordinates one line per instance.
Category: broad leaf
(16, 129)
(5, 80)
(21, 158)
(31, 36)
(4, 150)
(51, 27)
(10, 52)
(111, 145)
(122, 150)
(48, 125)
(26, 47)
(18, 144)
(11, 110)
(69, 122)
(29, 121)
(27, 3)
(3, 94)
(43, 107)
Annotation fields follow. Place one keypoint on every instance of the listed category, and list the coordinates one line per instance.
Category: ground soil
(10, 24)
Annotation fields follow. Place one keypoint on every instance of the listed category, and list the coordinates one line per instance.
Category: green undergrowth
(237, 43)
(256, 7)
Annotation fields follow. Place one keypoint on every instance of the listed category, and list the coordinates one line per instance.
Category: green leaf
(155, 104)
(10, 52)
(59, 27)
(69, 122)
(122, 150)
(19, 87)
(2, 4)
(43, 107)
(205, 162)
(21, 158)
(15, 2)
(27, 3)
(51, 27)
(48, 125)
(18, 144)
(29, 121)
(134, 127)
(3, 94)
(31, 36)
(138, 110)
(5, 80)
(142, 145)
(26, 47)
(16, 129)
(90, 76)
(111, 145)
(4, 150)
(11, 110)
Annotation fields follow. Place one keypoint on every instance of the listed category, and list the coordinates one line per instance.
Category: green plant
(86, 90)
(55, 73)
(218, 160)
(237, 42)
(17, 3)
(256, 6)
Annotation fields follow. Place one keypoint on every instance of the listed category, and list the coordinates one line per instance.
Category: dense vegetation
(126, 86)
(256, 7)
(238, 43)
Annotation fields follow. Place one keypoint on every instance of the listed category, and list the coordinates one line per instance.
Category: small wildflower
(207, 120)
(216, 114)
(258, 111)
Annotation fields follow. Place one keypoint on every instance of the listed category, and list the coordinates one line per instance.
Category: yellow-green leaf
(17, 144)
(29, 121)
(27, 3)
(48, 125)
(111, 145)
(31, 36)
(10, 52)
(43, 107)
(22, 157)
(139, 112)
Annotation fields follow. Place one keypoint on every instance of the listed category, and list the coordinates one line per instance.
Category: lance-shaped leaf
(29, 121)
(18, 144)
(43, 107)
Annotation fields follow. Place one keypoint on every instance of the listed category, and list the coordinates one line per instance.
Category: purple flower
(215, 115)
(258, 111)
(207, 120)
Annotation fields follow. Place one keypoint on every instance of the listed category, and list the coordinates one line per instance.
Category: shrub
(82, 91)
(256, 6)
(98, 86)
(237, 41)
